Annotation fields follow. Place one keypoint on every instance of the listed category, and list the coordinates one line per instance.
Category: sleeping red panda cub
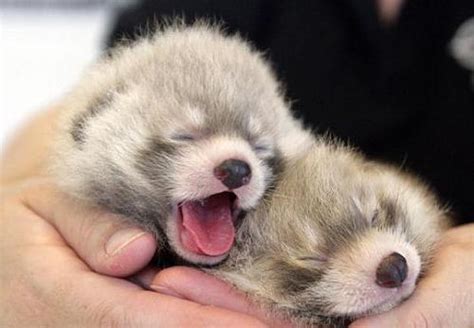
(182, 133)
(340, 237)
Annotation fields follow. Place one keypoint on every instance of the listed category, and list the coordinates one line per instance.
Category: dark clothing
(395, 93)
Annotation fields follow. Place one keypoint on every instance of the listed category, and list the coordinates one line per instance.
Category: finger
(200, 287)
(182, 282)
(109, 302)
(174, 312)
(82, 298)
(144, 278)
(106, 242)
(393, 320)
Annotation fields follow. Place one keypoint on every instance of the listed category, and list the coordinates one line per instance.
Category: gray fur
(139, 121)
(142, 117)
(291, 253)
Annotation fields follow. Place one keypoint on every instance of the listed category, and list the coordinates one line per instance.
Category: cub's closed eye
(182, 137)
(262, 148)
(317, 259)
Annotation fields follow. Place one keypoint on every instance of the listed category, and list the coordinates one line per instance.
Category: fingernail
(165, 290)
(121, 239)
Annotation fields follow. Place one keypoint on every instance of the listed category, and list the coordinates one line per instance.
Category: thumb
(106, 242)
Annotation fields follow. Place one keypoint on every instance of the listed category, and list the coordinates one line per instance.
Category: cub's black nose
(233, 173)
(392, 271)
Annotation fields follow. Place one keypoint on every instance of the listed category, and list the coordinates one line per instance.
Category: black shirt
(395, 92)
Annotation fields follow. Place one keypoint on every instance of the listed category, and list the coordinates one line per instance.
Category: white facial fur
(350, 278)
(193, 172)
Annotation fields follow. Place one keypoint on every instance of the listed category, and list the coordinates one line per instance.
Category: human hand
(45, 283)
(445, 297)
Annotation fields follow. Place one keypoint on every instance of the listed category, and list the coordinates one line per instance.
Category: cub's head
(342, 237)
(181, 132)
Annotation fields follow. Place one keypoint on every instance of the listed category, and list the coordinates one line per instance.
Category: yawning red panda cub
(181, 132)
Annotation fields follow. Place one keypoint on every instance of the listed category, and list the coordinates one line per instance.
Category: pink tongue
(207, 227)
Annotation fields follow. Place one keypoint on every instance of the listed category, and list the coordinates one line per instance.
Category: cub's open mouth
(206, 227)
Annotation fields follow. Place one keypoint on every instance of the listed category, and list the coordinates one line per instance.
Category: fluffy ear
(94, 107)
(296, 141)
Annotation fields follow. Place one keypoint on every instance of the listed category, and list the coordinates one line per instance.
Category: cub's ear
(296, 142)
(95, 107)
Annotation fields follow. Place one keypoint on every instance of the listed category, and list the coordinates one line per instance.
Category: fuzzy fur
(312, 249)
(147, 124)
